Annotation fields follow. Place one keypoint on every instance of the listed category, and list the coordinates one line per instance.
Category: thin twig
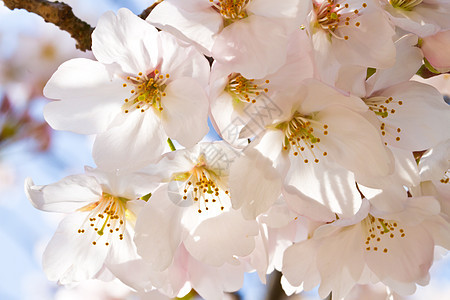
(149, 9)
(61, 15)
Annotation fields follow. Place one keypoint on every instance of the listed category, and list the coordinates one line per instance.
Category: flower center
(231, 10)
(245, 90)
(405, 4)
(385, 107)
(107, 215)
(379, 231)
(147, 91)
(300, 137)
(204, 187)
(330, 16)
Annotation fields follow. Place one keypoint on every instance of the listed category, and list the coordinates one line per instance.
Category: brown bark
(61, 15)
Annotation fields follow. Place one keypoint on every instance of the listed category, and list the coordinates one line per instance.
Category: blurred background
(30, 51)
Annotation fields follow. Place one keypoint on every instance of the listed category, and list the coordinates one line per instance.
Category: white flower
(99, 227)
(395, 249)
(193, 209)
(232, 95)
(318, 144)
(411, 115)
(251, 36)
(421, 17)
(350, 33)
(144, 88)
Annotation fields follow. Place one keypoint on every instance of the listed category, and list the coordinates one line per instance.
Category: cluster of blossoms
(332, 168)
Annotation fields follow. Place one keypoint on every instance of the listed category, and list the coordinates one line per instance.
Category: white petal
(158, 230)
(357, 148)
(407, 62)
(182, 61)
(299, 264)
(327, 184)
(254, 46)
(127, 40)
(90, 97)
(70, 256)
(319, 96)
(254, 184)
(369, 45)
(130, 145)
(423, 114)
(287, 9)
(218, 240)
(195, 21)
(185, 111)
(66, 195)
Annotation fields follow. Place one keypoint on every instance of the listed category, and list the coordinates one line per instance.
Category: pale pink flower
(249, 35)
(144, 88)
(99, 228)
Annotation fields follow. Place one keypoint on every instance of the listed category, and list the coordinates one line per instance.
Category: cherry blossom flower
(144, 87)
(193, 208)
(422, 17)
(395, 249)
(235, 100)
(407, 109)
(349, 33)
(251, 36)
(313, 144)
(98, 230)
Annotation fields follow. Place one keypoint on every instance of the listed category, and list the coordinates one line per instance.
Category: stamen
(148, 91)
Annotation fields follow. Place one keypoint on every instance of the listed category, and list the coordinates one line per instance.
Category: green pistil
(405, 4)
(386, 230)
(100, 232)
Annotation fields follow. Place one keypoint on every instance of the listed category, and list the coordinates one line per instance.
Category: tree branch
(59, 14)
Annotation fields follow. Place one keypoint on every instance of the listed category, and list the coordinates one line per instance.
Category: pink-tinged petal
(424, 20)
(90, 97)
(411, 21)
(210, 282)
(405, 172)
(357, 148)
(125, 184)
(325, 186)
(182, 61)
(352, 79)
(435, 49)
(70, 256)
(290, 9)
(131, 144)
(194, 21)
(435, 162)
(406, 259)
(407, 62)
(439, 229)
(254, 46)
(158, 230)
(423, 114)
(369, 45)
(319, 96)
(300, 264)
(185, 111)
(343, 268)
(66, 195)
(127, 40)
(218, 240)
(254, 184)
(124, 250)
